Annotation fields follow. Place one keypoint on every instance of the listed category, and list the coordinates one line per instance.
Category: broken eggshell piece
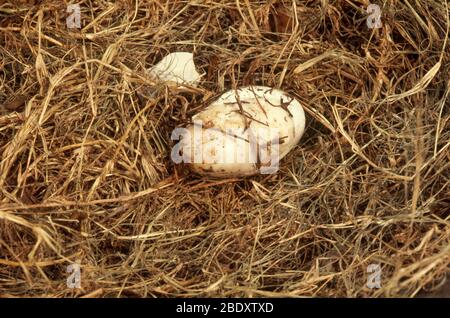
(177, 67)
(243, 132)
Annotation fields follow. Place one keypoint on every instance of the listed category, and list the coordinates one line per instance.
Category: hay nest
(86, 175)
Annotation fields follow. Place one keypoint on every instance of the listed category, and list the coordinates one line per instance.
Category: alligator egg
(243, 132)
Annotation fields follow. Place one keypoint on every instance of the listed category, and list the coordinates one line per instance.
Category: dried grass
(85, 170)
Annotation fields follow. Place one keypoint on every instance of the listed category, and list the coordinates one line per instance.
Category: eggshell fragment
(177, 67)
(243, 132)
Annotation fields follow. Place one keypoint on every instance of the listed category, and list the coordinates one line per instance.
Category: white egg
(177, 67)
(244, 132)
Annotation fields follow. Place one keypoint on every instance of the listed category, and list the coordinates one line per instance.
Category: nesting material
(360, 208)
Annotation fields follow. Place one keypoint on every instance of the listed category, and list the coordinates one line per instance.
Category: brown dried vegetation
(85, 169)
